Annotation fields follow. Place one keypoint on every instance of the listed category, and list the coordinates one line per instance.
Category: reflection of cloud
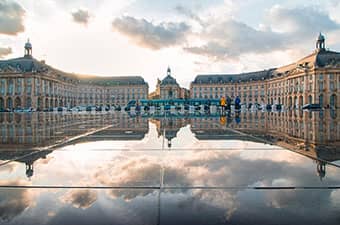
(80, 198)
(11, 17)
(7, 168)
(135, 171)
(150, 35)
(81, 16)
(13, 201)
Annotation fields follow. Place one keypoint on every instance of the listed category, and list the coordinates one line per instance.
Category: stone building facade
(26, 82)
(312, 79)
(168, 88)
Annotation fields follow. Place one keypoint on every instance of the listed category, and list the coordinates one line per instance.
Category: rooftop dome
(28, 44)
(169, 80)
(321, 37)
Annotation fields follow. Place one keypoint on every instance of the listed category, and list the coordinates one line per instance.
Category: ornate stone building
(312, 79)
(168, 88)
(26, 82)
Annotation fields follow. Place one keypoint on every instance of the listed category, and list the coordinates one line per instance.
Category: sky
(144, 37)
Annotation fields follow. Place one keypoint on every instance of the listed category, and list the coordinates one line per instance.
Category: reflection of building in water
(169, 127)
(34, 130)
(313, 134)
(27, 137)
(27, 157)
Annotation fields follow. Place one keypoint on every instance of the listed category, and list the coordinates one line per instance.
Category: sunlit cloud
(150, 35)
(11, 17)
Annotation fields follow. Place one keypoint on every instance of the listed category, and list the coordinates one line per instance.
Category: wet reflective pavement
(119, 168)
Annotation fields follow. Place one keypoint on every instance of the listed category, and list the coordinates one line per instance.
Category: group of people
(227, 102)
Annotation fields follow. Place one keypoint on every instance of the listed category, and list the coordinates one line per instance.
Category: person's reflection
(237, 118)
(229, 119)
(223, 119)
(321, 169)
(29, 169)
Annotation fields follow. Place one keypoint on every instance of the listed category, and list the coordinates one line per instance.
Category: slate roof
(28, 64)
(169, 80)
(318, 59)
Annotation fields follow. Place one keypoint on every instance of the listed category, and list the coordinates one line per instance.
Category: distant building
(26, 82)
(168, 88)
(312, 79)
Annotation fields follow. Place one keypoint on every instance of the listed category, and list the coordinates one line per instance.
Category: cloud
(305, 21)
(224, 37)
(11, 17)
(150, 35)
(4, 52)
(230, 39)
(81, 16)
(80, 198)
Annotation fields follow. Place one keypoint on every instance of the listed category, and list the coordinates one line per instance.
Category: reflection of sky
(190, 162)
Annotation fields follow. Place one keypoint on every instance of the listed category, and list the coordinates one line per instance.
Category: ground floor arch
(46, 103)
(28, 102)
(321, 100)
(9, 103)
(17, 102)
(2, 103)
(310, 99)
(300, 100)
(333, 101)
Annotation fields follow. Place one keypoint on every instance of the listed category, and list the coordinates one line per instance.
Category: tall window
(29, 86)
(10, 87)
(2, 86)
(18, 86)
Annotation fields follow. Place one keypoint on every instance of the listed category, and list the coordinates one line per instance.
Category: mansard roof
(227, 78)
(320, 58)
(22, 65)
(112, 80)
(169, 80)
(28, 64)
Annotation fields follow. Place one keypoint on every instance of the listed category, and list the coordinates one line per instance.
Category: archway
(2, 104)
(310, 99)
(46, 103)
(10, 103)
(333, 100)
(28, 102)
(17, 102)
(300, 100)
(321, 100)
(290, 101)
(56, 103)
(60, 103)
(39, 104)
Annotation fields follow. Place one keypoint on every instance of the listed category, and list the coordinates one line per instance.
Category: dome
(168, 80)
(28, 44)
(321, 37)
